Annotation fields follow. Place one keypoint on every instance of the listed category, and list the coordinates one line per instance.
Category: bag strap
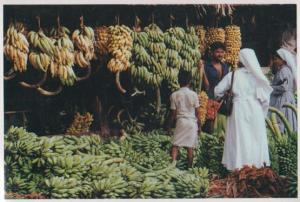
(232, 77)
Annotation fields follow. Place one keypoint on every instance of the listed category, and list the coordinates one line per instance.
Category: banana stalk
(38, 84)
(86, 76)
(50, 93)
(270, 125)
(158, 100)
(10, 75)
(283, 119)
(118, 83)
(277, 131)
(292, 107)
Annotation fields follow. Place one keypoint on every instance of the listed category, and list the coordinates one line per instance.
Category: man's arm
(172, 118)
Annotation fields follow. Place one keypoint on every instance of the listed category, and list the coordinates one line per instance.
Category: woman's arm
(281, 85)
(223, 86)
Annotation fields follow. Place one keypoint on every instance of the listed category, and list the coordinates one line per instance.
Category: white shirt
(184, 101)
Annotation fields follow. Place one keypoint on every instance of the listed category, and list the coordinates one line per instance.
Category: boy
(184, 107)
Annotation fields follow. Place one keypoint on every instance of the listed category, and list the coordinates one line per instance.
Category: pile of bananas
(83, 40)
(213, 35)
(101, 41)
(63, 60)
(16, 47)
(148, 56)
(201, 32)
(81, 124)
(43, 50)
(233, 44)
(119, 46)
(87, 167)
(203, 98)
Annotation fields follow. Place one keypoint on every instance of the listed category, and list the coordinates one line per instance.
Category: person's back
(184, 103)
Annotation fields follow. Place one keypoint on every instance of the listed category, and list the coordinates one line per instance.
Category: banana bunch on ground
(201, 32)
(43, 50)
(233, 43)
(81, 124)
(101, 41)
(16, 47)
(60, 187)
(83, 40)
(63, 60)
(119, 46)
(203, 98)
(213, 35)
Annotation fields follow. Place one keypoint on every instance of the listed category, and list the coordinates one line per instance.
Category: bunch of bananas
(81, 124)
(63, 59)
(16, 47)
(83, 40)
(119, 46)
(60, 187)
(203, 98)
(101, 41)
(148, 56)
(213, 35)
(233, 44)
(201, 32)
(44, 49)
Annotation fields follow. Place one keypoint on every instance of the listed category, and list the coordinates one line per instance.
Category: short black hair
(184, 77)
(216, 45)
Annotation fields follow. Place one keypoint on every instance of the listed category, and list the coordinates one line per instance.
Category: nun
(283, 85)
(246, 135)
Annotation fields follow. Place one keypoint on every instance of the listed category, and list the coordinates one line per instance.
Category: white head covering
(290, 60)
(263, 89)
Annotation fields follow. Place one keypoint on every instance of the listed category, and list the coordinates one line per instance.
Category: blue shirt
(213, 76)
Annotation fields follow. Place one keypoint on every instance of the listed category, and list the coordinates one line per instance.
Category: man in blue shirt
(214, 68)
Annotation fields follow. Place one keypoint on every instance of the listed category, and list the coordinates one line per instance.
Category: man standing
(214, 71)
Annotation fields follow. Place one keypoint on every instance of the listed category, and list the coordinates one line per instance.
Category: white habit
(246, 136)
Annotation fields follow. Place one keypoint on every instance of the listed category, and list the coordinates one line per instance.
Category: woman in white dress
(246, 136)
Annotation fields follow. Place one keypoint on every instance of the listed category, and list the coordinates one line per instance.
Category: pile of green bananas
(89, 167)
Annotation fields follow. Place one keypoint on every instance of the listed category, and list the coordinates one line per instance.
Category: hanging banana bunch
(213, 35)
(83, 40)
(119, 46)
(203, 99)
(101, 41)
(63, 60)
(16, 47)
(43, 49)
(200, 31)
(233, 44)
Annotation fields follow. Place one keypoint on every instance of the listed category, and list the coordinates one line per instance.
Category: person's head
(217, 50)
(277, 60)
(184, 78)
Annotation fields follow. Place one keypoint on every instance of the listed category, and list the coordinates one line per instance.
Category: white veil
(263, 89)
(290, 61)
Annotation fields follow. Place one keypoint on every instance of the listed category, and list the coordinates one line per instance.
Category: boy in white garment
(184, 107)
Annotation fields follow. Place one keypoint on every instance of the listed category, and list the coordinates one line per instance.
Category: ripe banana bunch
(233, 44)
(43, 52)
(16, 48)
(101, 41)
(201, 32)
(63, 60)
(120, 45)
(203, 98)
(81, 124)
(84, 44)
(213, 35)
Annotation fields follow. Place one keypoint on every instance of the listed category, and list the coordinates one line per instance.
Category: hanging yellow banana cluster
(101, 41)
(84, 44)
(120, 45)
(200, 32)
(213, 35)
(16, 47)
(63, 60)
(81, 124)
(43, 51)
(233, 44)
(203, 99)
